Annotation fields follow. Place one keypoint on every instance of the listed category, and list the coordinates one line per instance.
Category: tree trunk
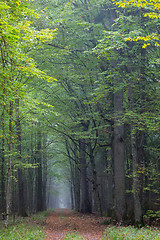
(75, 175)
(109, 183)
(44, 172)
(94, 179)
(21, 205)
(3, 204)
(85, 206)
(8, 190)
(119, 157)
(136, 183)
(39, 171)
(3, 200)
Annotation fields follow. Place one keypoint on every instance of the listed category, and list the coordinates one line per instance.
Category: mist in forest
(58, 194)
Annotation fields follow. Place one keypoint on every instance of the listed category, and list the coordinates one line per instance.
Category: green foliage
(149, 9)
(152, 214)
(131, 233)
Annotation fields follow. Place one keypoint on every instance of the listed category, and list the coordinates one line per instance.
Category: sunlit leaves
(151, 10)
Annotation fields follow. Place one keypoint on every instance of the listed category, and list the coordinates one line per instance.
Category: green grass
(74, 236)
(131, 233)
(29, 228)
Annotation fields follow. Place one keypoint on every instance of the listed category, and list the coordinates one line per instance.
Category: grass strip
(75, 236)
(131, 233)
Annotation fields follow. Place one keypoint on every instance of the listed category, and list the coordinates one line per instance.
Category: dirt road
(64, 221)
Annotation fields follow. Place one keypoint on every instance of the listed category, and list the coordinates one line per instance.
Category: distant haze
(58, 195)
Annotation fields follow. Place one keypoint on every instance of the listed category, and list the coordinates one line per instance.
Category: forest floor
(64, 221)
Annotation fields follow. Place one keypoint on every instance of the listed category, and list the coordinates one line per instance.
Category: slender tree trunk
(3, 200)
(140, 156)
(72, 184)
(3, 204)
(44, 172)
(136, 182)
(72, 196)
(14, 197)
(39, 171)
(76, 173)
(31, 174)
(21, 205)
(94, 179)
(8, 189)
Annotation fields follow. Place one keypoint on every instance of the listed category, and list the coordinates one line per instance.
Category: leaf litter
(64, 221)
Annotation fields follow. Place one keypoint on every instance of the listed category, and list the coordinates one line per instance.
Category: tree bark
(85, 206)
(8, 189)
(39, 171)
(21, 205)
(44, 172)
(94, 178)
(3, 204)
(136, 182)
(119, 157)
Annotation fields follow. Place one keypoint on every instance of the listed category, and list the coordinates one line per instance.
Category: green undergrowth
(28, 228)
(74, 236)
(131, 233)
(123, 233)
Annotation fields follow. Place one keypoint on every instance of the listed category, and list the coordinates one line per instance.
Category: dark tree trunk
(72, 198)
(31, 177)
(85, 206)
(140, 156)
(110, 181)
(44, 173)
(94, 179)
(3, 204)
(75, 175)
(119, 157)
(8, 188)
(3, 195)
(21, 205)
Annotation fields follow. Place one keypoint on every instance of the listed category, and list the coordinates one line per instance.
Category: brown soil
(64, 221)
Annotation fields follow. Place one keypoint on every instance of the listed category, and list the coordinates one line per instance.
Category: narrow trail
(64, 221)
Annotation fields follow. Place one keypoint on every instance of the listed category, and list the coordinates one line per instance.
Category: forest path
(64, 221)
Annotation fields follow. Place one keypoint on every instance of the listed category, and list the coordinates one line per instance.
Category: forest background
(80, 100)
